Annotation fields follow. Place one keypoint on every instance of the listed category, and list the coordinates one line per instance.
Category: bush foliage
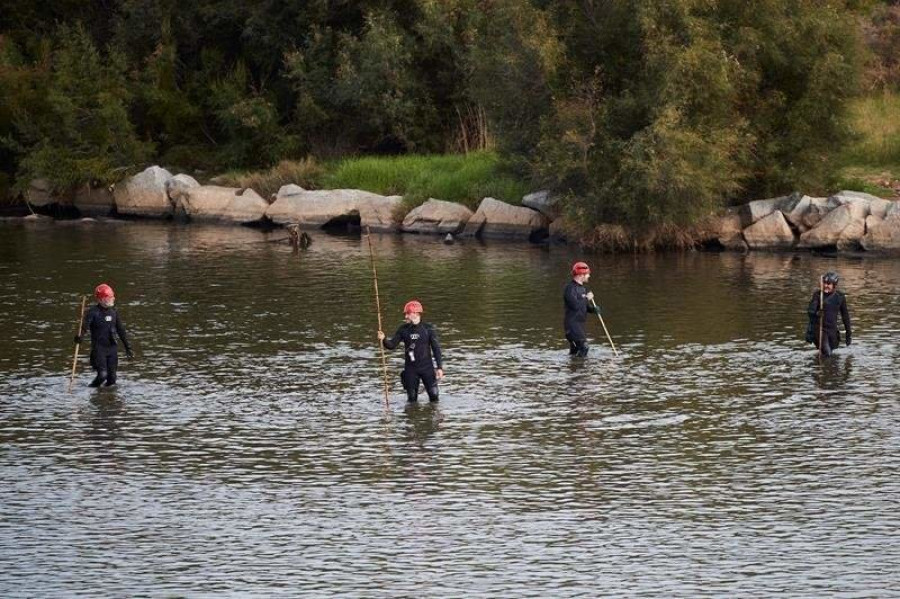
(640, 112)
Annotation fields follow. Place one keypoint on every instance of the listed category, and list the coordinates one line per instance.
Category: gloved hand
(848, 340)
(129, 354)
(77, 339)
(810, 336)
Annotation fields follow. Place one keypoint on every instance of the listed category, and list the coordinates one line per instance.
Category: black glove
(810, 336)
(129, 354)
(848, 340)
(77, 339)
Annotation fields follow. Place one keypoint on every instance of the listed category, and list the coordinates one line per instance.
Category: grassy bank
(453, 177)
(871, 162)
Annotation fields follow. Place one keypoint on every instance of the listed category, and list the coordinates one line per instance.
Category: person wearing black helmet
(578, 302)
(834, 303)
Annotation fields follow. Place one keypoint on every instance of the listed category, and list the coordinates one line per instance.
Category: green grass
(876, 119)
(465, 179)
(871, 163)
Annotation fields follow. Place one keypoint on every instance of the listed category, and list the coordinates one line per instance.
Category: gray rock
(40, 193)
(847, 195)
(753, 212)
(145, 194)
(818, 210)
(211, 203)
(496, 219)
(873, 221)
(543, 202)
(318, 208)
(879, 207)
(179, 184)
(286, 191)
(842, 227)
(437, 217)
(770, 232)
(883, 236)
(729, 232)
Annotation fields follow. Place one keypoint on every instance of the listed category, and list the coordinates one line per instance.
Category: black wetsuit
(577, 307)
(420, 342)
(105, 325)
(835, 303)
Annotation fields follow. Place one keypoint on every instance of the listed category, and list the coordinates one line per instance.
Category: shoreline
(843, 223)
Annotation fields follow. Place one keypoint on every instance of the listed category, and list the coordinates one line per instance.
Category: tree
(82, 133)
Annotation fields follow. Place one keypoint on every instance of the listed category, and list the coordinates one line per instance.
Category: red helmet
(413, 307)
(580, 268)
(103, 291)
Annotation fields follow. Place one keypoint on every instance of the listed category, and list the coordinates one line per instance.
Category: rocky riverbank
(848, 220)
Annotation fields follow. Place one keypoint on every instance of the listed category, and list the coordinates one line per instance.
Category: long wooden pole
(821, 314)
(387, 402)
(603, 324)
(77, 345)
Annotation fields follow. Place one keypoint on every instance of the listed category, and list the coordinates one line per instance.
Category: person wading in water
(578, 302)
(835, 303)
(105, 325)
(420, 341)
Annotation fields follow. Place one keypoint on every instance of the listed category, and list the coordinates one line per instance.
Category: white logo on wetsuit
(108, 319)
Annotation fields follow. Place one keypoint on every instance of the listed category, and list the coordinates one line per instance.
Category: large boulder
(816, 211)
(809, 211)
(770, 232)
(145, 194)
(178, 185)
(324, 207)
(879, 207)
(842, 227)
(437, 217)
(93, 201)
(211, 203)
(846, 196)
(728, 231)
(753, 212)
(543, 202)
(496, 219)
(883, 236)
(40, 193)
(286, 191)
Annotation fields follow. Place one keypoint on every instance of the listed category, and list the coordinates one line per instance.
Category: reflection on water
(247, 452)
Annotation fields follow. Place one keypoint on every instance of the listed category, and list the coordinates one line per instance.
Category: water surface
(248, 451)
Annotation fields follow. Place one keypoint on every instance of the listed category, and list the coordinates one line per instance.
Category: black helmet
(831, 277)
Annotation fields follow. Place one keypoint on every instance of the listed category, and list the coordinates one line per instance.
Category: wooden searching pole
(603, 324)
(77, 345)
(378, 311)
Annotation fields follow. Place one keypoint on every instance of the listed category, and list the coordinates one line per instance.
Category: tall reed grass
(463, 178)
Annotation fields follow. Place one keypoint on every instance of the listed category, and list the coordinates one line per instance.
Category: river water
(247, 451)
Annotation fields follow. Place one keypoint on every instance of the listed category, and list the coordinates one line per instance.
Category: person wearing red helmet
(421, 344)
(578, 302)
(105, 326)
